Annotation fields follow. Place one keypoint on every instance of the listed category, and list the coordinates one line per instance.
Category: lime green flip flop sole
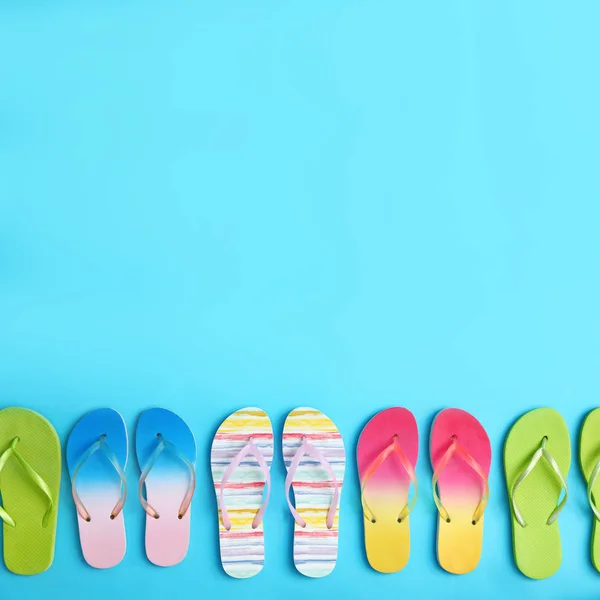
(589, 458)
(30, 471)
(537, 546)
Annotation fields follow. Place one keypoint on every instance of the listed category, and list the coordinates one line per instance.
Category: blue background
(206, 205)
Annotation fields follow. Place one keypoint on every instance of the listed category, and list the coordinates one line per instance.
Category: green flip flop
(30, 470)
(537, 457)
(589, 458)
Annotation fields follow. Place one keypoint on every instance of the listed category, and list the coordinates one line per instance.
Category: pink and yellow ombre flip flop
(387, 455)
(460, 455)
(166, 452)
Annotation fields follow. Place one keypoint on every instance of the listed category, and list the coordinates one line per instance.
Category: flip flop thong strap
(162, 446)
(12, 452)
(393, 448)
(591, 483)
(249, 449)
(306, 449)
(538, 454)
(99, 445)
(457, 449)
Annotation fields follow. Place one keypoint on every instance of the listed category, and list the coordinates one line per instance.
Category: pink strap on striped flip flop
(306, 449)
(314, 454)
(240, 458)
(249, 449)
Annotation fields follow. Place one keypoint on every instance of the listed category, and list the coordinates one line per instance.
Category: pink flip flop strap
(306, 449)
(393, 448)
(457, 449)
(249, 449)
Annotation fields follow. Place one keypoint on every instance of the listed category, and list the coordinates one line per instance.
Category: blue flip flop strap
(161, 446)
(98, 445)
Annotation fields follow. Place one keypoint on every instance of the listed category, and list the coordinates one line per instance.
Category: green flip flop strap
(538, 454)
(590, 487)
(33, 476)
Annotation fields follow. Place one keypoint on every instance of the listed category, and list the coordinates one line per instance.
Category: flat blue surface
(346, 204)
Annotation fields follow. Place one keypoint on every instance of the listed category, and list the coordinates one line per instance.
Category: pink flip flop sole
(460, 487)
(387, 541)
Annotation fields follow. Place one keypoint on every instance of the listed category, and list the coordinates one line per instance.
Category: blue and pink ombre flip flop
(97, 457)
(166, 453)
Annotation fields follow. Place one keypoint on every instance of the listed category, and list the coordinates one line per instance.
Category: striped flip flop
(240, 459)
(314, 455)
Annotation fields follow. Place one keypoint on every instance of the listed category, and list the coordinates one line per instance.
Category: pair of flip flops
(387, 457)
(30, 473)
(315, 459)
(537, 459)
(97, 455)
